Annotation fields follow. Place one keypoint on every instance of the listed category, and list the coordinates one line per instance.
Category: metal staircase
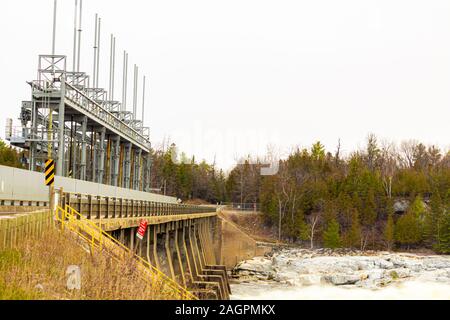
(100, 241)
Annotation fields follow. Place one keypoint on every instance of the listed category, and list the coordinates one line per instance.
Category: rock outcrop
(300, 267)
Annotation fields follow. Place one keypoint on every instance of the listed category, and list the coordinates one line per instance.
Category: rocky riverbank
(301, 268)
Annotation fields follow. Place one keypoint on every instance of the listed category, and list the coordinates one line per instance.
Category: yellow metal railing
(97, 238)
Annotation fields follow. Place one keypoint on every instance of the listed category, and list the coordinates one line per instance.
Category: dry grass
(197, 202)
(36, 269)
(252, 224)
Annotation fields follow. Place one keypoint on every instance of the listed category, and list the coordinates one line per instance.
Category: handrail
(97, 237)
(132, 133)
(149, 208)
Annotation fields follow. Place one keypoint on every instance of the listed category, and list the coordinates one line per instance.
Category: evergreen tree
(370, 209)
(407, 229)
(304, 231)
(418, 210)
(433, 220)
(353, 238)
(389, 232)
(331, 237)
(318, 151)
(444, 235)
(9, 156)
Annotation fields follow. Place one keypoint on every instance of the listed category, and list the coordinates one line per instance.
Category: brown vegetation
(36, 268)
(252, 224)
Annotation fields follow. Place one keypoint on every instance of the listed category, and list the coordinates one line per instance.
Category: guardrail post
(99, 207)
(121, 207)
(90, 207)
(114, 208)
(79, 202)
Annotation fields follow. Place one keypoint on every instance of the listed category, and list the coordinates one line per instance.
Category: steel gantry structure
(70, 119)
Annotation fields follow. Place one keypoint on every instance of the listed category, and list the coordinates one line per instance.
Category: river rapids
(299, 274)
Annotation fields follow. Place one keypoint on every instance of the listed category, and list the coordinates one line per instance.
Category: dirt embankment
(197, 202)
(252, 224)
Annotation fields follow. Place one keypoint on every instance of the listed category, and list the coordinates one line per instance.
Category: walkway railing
(99, 240)
(242, 206)
(102, 207)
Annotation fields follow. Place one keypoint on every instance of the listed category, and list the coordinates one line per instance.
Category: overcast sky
(228, 78)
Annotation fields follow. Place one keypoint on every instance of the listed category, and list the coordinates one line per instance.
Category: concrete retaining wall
(237, 246)
(183, 249)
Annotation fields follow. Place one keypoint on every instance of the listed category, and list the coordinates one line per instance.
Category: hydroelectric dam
(88, 161)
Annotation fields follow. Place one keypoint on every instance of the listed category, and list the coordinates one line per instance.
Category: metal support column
(60, 165)
(115, 166)
(33, 145)
(101, 160)
(75, 152)
(137, 170)
(148, 164)
(127, 166)
(94, 148)
(83, 149)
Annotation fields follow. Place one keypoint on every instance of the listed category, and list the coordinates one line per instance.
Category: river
(299, 274)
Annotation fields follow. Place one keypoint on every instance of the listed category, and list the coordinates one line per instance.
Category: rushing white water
(409, 290)
(310, 275)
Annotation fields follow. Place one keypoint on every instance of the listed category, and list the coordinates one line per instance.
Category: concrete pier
(181, 246)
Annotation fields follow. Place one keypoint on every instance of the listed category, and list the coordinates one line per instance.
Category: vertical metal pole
(138, 169)
(60, 165)
(143, 104)
(95, 52)
(75, 37)
(74, 155)
(71, 151)
(55, 3)
(101, 162)
(79, 36)
(127, 166)
(111, 156)
(148, 185)
(33, 133)
(115, 167)
(98, 52)
(110, 68)
(93, 176)
(135, 84)
(83, 149)
(124, 82)
(113, 69)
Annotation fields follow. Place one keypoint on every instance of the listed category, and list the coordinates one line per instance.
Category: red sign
(142, 229)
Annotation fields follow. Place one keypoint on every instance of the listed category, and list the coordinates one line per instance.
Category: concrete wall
(24, 185)
(237, 246)
(183, 249)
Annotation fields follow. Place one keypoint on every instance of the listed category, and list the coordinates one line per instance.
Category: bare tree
(407, 150)
(337, 155)
(283, 192)
(388, 165)
(314, 221)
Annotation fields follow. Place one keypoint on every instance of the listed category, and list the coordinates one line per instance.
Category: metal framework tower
(92, 136)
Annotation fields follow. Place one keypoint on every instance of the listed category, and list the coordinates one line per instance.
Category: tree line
(10, 156)
(322, 198)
